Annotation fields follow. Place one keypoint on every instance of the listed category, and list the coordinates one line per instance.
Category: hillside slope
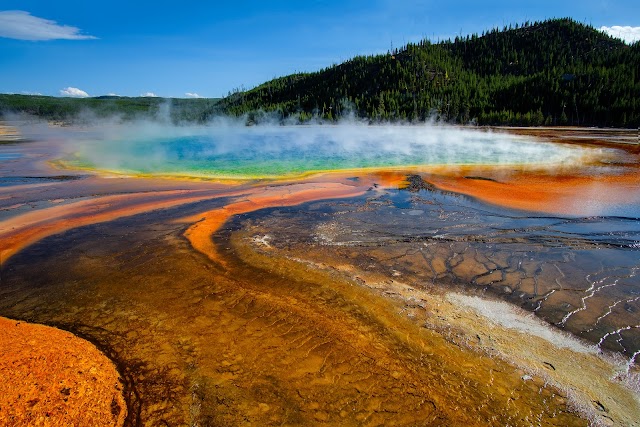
(557, 72)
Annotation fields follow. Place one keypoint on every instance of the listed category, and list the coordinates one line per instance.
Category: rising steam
(227, 148)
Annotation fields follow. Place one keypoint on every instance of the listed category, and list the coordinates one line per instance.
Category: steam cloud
(226, 147)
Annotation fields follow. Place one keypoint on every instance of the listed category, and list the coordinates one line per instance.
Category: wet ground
(198, 344)
(304, 308)
(581, 274)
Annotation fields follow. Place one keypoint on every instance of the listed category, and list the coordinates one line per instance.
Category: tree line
(77, 110)
(556, 72)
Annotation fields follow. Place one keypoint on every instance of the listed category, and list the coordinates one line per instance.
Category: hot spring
(270, 152)
(269, 292)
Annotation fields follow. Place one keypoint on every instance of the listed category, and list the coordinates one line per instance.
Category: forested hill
(557, 72)
(176, 110)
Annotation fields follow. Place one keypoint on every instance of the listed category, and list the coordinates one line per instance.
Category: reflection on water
(10, 181)
(9, 156)
(579, 273)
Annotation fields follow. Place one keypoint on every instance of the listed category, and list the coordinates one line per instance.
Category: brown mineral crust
(199, 234)
(50, 377)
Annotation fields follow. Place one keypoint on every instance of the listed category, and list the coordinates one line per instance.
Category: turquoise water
(9, 156)
(279, 151)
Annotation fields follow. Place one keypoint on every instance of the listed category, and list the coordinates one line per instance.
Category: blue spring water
(283, 151)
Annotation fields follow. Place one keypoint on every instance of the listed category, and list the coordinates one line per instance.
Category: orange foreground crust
(50, 377)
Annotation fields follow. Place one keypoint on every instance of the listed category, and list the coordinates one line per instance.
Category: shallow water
(579, 273)
(4, 156)
(15, 181)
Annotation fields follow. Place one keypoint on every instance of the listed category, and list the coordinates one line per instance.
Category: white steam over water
(224, 148)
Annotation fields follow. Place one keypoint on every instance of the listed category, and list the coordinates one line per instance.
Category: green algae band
(284, 151)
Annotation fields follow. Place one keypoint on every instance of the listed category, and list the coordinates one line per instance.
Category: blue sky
(175, 48)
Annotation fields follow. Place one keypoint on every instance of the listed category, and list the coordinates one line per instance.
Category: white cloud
(626, 33)
(149, 95)
(192, 95)
(21, 25)
(74, 92)
(30, 93)
(112, 94)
